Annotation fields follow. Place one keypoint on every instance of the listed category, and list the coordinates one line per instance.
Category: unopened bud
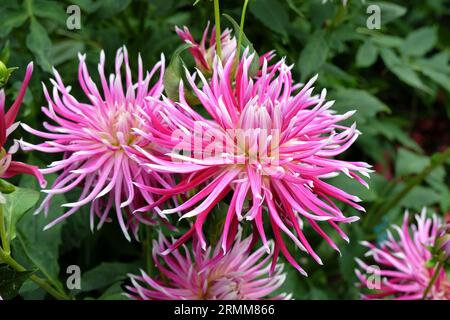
(4, 74)
(443, 243)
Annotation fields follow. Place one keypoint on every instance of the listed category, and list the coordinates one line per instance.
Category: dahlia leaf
(65, 51)
(17, 204)
(254, 66)
(272, 14)
(420, 197)
(391, 11)
(50, 10)
(438, 77)
(36, 248)
(12, 19)
(408, 162)
(106, 274)
(39, 43)
(420, 41)
(174, 74)
(367, 55)
(114, 292)
(387, 40)
(110, 8)
(6, 187)
(402, 69)
(5, 53)
(366, 104)
(313, 55)
(11, 281)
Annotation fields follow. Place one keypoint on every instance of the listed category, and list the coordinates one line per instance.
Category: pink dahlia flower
(205, 51)
(267, 142)
(9, 168)
(444, 241)
(92, 136)
(401, 270)
(209, 274)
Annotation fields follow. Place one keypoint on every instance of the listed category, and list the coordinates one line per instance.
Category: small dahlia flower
(443, 242)
(91, 135)
(401, 270)
(268, 143)
(9, 168)
(199, 274)
(205, 51)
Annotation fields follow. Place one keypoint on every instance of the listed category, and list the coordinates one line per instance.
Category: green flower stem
(340, 15)
(436, 161)
(433, 280)
(148, 249)
(6, 258)
(3, 236)
(217, 22)
(29, 7)
(241, 30)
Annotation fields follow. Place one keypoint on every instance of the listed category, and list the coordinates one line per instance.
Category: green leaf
(366, 105)
(439, 62)
(6, 187)
(115, 292)
(389, 11)
(402, 70)
(17, 203)
(420, 41)
(31, 291)
(313, 55)
(353, 187)
(420, 197)
(11, 281)
(37, 248)
(174, 74)
(105, 274)
(65, 50)
(436, 180)
(110, 8)
(11, 19)
(347, 263)
(254, 66)
(39, 43)
(50, 10)
(5, 73)
(408, 162)
(387, 41)
(272, 14)
(392, 132)
(367, 55)
(437, 76)
(89, 6)
(5, 53)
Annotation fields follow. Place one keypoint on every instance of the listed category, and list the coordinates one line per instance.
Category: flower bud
(443, 243)
(4, 74)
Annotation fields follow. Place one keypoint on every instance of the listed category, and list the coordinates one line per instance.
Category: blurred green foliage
(396, 77)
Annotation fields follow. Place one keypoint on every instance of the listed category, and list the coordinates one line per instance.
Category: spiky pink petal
(208, 274)
(401, 270)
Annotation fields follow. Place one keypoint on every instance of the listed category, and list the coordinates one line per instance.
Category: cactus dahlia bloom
(269, 144)
(443, 242)
(92, 135)
(9, 168)
(401, 265)
(209, 274)
(204, 55)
